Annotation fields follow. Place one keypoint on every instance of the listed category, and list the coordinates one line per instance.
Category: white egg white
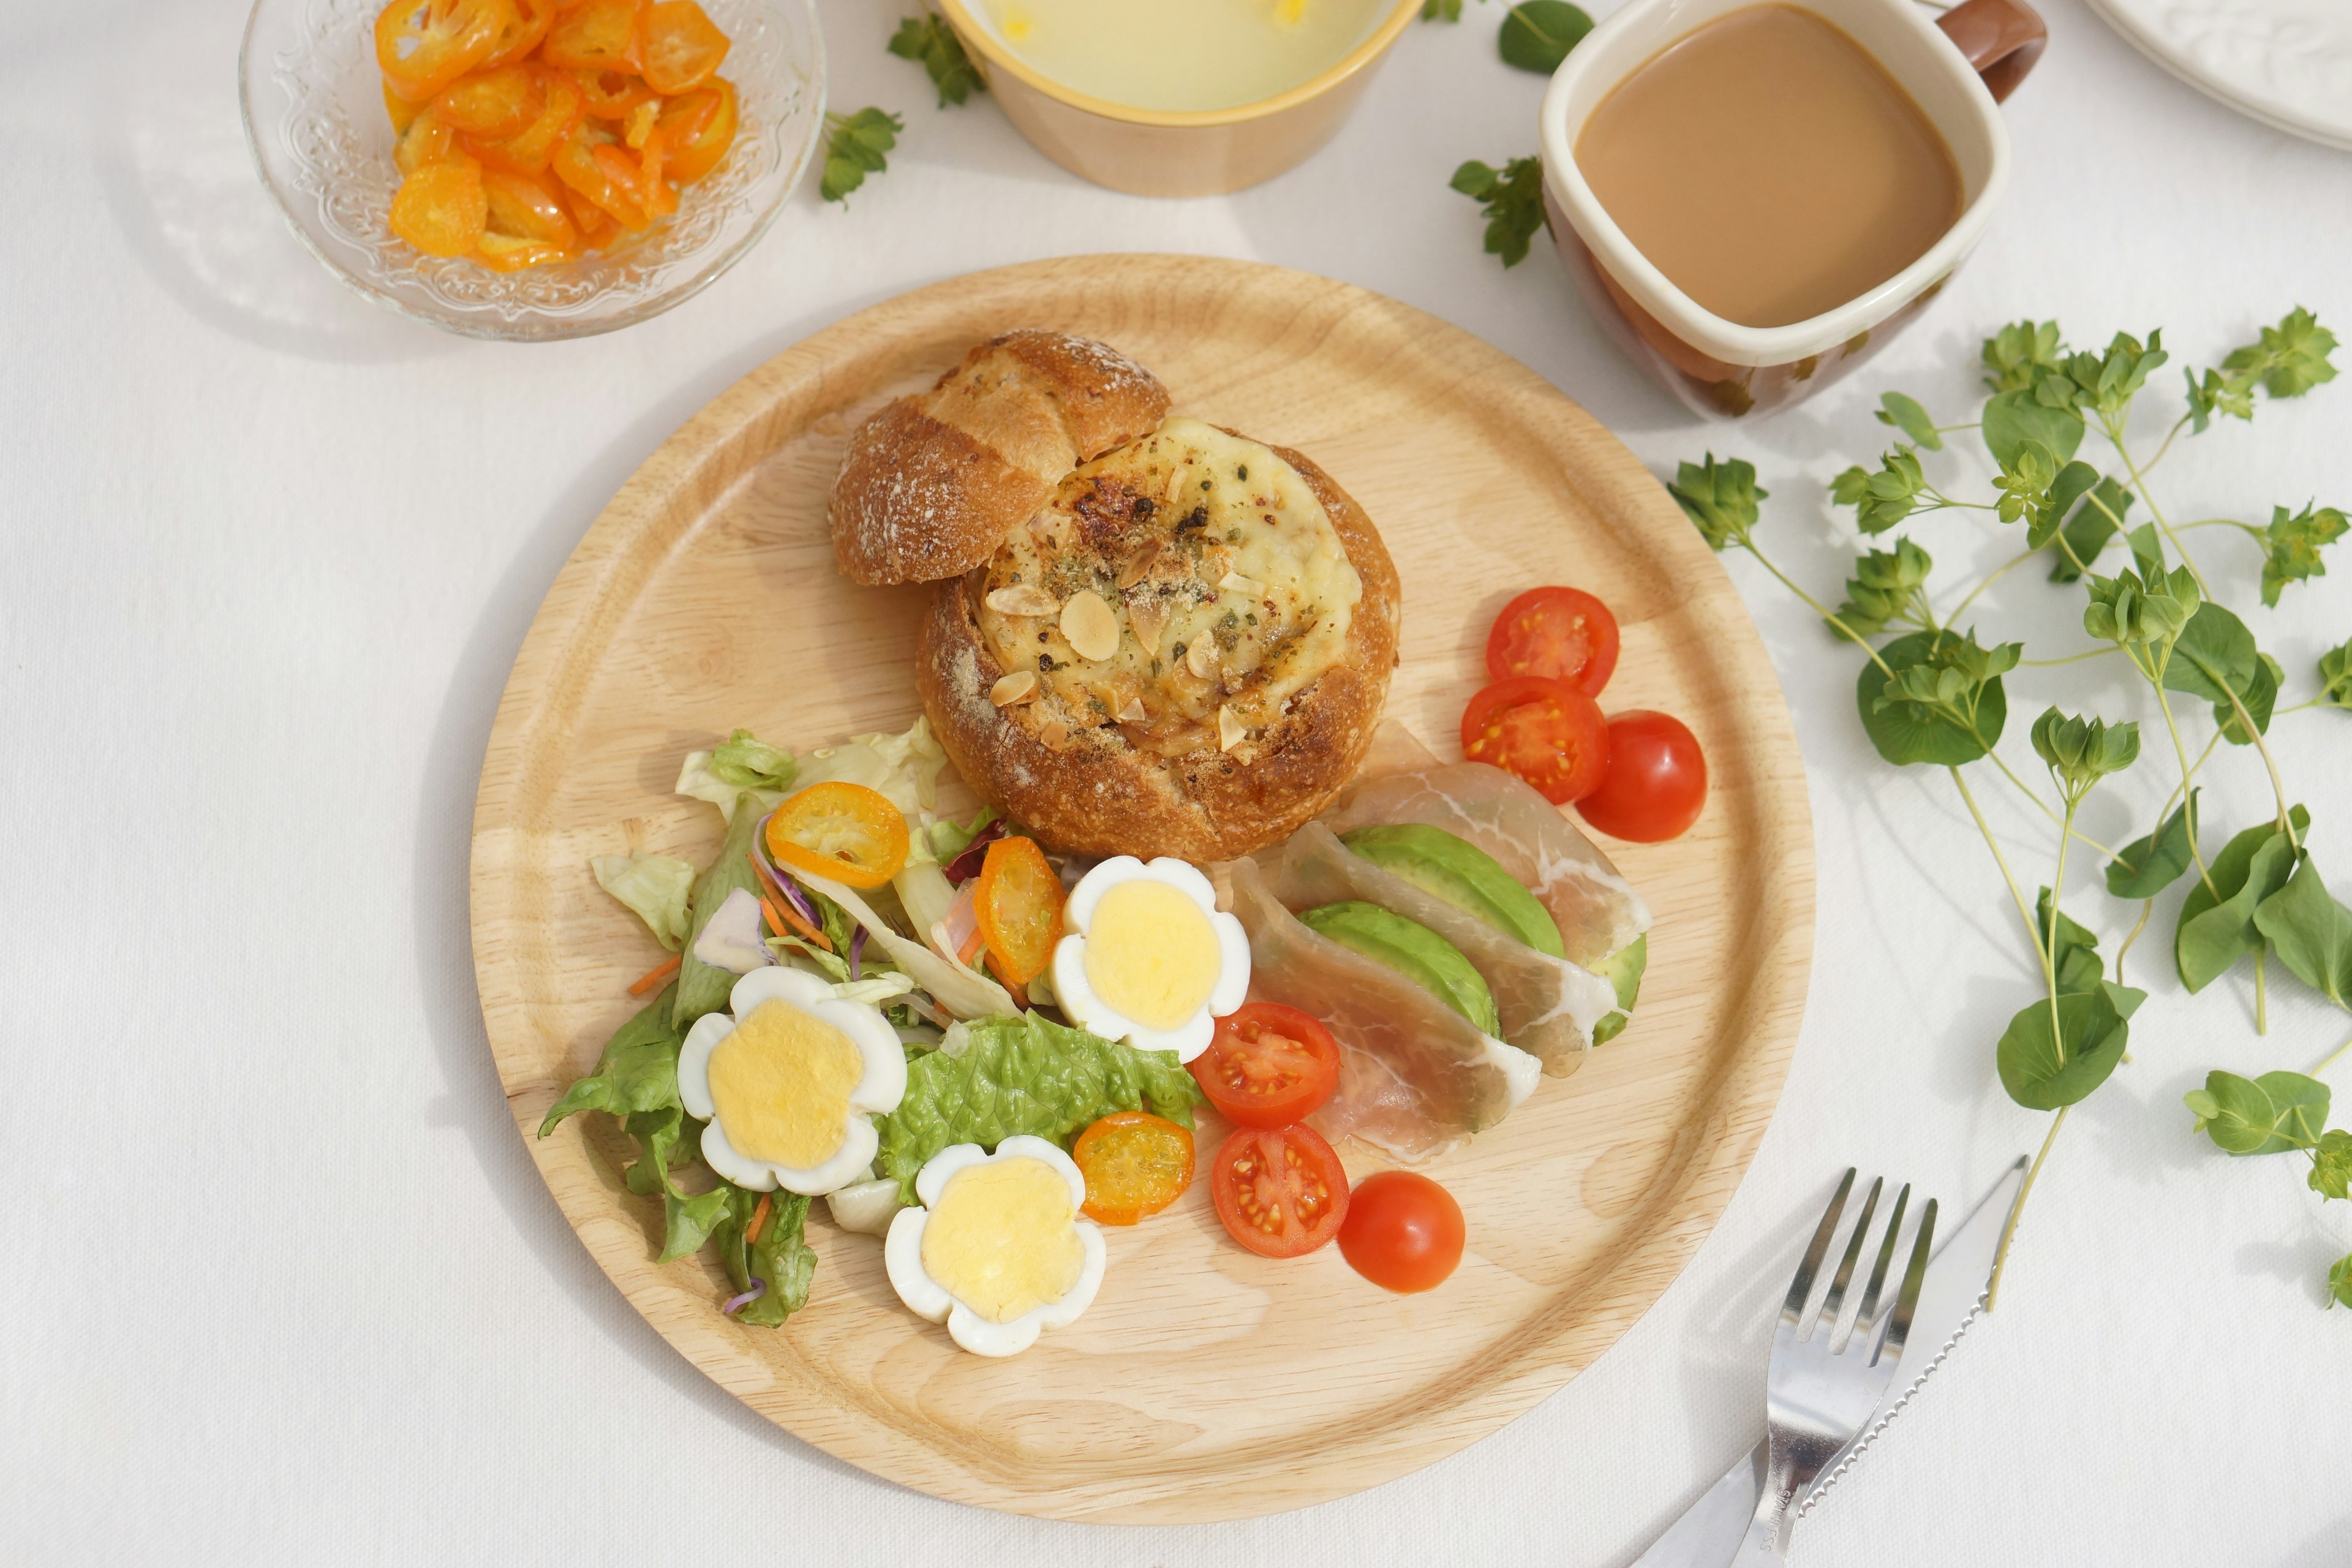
(1090, 1012)
(879, 1092)
(902, 1254)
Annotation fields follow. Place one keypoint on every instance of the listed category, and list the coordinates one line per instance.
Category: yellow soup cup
(1173, 153)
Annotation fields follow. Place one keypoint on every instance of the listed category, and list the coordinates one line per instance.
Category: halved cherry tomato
(698, 128)
(423, 46)
(1267, 1066)
(1135, 1164)
(440, 208)
(599, 35)
(610, 95)
(1402, 1231)
(1280, 1191)
(680, 45)
(1656, 783)
(577, 165)
(494, 103)
(523, 34)
(1563, 633)
(427, 140)
(527, 207)
(1545, 730)
(844, 831)
(1017, 901)
(529, 151)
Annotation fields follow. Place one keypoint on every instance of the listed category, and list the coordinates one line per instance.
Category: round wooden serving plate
(1204, 1382)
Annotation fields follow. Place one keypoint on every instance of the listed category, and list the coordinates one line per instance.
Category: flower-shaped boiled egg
(997, 1252)
(1149, 959)
(789, 1079)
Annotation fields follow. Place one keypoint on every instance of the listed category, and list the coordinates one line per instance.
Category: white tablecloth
(277, 1280)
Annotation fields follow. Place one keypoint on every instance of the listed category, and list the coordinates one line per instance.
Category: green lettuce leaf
(742, 770)
(637, 1072)
(1008, 1076)
(702, 987)
(655, 888)
(782, 1256)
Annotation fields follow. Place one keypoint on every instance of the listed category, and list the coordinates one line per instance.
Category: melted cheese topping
(1232, 590)
(781, 1085)
(1000, 1240)
(1151, 954)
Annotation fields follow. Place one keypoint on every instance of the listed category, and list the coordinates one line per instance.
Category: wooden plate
(1204, 1382)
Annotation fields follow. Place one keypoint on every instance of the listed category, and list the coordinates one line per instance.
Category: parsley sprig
(932, 43)
(1931, 694)
(1513, 204)
(856, 149)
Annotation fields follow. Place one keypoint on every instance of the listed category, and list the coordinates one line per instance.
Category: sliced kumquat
(523, 33)
(423, 46)
(698, 128)
(440, 208)
(427, 140)
(595, 35)
(680, 45)
(495, 103)
(577, 164)
(1017, 903)
(1135, 1164)
(614, 94)
(639, 122)
(402, 112)
(561, 107)
(836, 829)
(529, 208)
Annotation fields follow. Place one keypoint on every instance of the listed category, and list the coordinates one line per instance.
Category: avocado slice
(1623, 969)
(1464, 875)
(1413, 951)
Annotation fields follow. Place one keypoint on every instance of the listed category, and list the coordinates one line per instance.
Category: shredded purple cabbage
(966, 865)
(857, 950)
(734, 1304)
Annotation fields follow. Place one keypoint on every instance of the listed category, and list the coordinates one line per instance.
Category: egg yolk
(1000, 1240)
(1151, 954)
(781, 1085)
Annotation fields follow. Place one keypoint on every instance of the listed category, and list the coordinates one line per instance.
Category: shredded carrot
(782, 917)
(1017, 990)
(972, 946)
(759, 1221)
(655, 975)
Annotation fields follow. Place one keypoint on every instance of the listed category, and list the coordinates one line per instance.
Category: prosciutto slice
(1415, 1077)
(1548, 1007)
(1597, 911)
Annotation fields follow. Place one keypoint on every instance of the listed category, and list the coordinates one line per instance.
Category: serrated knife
(1709, 1533)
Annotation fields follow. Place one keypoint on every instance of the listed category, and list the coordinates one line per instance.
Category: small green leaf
(2013, 418)
(2148, 551)
(636, 1072)
(1886, 587)
(931, 43)
(2229, 392)
(2291, 357)
(856, 149)
(2019, 353)
(1513, 204)
(2073, 951)
(2081, 751)
(2214, 658)
(686, 1222)
(1885, 498)
(2132, 613)
(2300, 1104)
(2087, 533)
(2260, 700)
(2109, 380)
(2024, 488)
(2339, 1282)
(1944, 704)
(2042, 1070)
(1537, 33)
(2294, 543)
(2217, 922)
(1718, 498)
(2331, 1166)
(2336, 677)
(2236, 1112)
(1906, 415)
(2311, 932)
(2149, 865)
(1440, 10)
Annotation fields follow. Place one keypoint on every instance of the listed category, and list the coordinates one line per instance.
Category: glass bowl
(314, 116)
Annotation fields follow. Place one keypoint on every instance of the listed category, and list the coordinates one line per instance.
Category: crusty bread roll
(930, 483)
(1185, 652)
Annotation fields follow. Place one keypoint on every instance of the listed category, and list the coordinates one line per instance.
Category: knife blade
(1709, 1532)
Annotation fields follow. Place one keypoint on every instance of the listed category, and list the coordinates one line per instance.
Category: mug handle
(2002, 38)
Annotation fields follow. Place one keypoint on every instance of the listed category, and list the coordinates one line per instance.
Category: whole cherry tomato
(1545, 730)
(1281, 1191)
(1655, 785)
(1563, 633)
(1268, 1066)
(1402, 1231)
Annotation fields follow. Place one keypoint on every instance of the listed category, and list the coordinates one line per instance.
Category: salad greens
(1933, 694)
(997, 1077)
(703, 987)
(655, 888)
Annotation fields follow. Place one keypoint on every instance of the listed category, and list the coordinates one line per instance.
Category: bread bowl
(1184, 651)
(931, 483)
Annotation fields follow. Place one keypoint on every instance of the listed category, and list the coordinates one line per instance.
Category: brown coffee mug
(1958, 69)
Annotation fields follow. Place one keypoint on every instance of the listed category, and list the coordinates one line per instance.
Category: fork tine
(1898, 1327)
(1868, 1317)
(1834, 1302)
(1792, 1310)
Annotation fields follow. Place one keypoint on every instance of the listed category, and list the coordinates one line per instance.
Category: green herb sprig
(1931, 694)
(1513, 198)
(932, 43)
(857, 147)
(1536, 35)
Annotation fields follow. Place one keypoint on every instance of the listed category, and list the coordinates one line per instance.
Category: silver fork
(1821, 1388)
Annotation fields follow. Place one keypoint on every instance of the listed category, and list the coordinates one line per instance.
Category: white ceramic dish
(2287, 63)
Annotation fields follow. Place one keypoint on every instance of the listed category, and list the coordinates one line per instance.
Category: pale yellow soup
(1183, 54)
